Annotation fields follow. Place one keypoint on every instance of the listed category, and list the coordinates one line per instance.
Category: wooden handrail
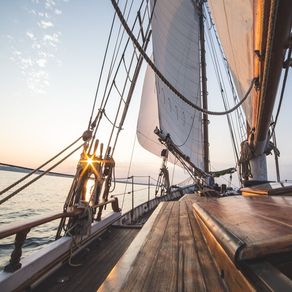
(16, 227)
(21, 230)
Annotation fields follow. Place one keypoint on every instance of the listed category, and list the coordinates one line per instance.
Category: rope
(110, 120)
(39, 168)
(38, 177)
(105, 96)
(129, 169)
(282, 92)
(164, 80)
(101, 72)
(221, 84)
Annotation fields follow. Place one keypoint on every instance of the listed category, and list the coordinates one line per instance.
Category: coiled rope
(165, 81)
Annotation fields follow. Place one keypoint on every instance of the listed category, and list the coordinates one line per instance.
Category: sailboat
(200, 236)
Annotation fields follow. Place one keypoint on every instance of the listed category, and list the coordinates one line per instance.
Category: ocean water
(45, 196)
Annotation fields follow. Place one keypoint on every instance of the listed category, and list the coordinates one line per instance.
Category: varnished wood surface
(173, 257)
(272, 189)
(95, 263)
(262, 223)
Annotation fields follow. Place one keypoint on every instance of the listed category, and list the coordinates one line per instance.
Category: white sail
(235, 25)
(148, 115)
(175, 27)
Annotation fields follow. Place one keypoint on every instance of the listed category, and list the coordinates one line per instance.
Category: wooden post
(14, 263)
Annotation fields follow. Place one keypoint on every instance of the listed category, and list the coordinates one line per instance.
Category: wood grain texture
(263, 223)
(174, 256)
(92, 265)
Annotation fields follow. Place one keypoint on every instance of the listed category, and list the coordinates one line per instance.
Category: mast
(204, 89)
(272, 53)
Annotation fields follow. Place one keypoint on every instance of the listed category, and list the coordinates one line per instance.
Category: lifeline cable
(38, 177)
(38, 168)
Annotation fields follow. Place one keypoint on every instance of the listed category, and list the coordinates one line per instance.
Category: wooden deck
(92, 265)
(169, 254)
(195, 244)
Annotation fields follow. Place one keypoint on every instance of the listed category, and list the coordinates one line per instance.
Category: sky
(51, 54)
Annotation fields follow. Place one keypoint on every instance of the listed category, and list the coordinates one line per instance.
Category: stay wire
(112, 64)
(138, 65)
(129, 169)
(241, 124)
(165, 81)
(101, 71)
(38, 177)
(38, 168)
(223, 93)
(282, 92)
(107, 90)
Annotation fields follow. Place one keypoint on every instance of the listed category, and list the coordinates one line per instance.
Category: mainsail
(175, 26)
(235, 26)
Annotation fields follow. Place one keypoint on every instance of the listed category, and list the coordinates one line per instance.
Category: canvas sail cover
(175, 29)
(234, 21)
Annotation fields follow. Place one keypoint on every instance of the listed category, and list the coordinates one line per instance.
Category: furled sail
(235, 25)
(175, 26)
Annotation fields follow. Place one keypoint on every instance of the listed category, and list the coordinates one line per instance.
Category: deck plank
(208, 266)
(97, 262)
(189, 262)
(173, 257)
(163, 273)
(148, 253)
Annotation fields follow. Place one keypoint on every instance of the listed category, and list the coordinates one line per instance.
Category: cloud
(38, 82)
(52, 39)
(10, 37)
(50, 4)
(38, 46)
(30, 35)
(58, 12)
(45, 24)
(41, 62)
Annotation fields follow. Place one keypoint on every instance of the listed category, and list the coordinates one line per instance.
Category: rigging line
(165, 81)
(135, 73)
(120, 93)
(222, 177)
(128, 193)
(173, 170)
(119, 40)
(282, 92)
(107, 91)
(221, 80)
(112, 64)
(223, 95)
(101, 72)
(38, 168)
(188, 136)
(129, 169)
(227, 69)
(38, 177)
(126, 69)
(114, 126)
